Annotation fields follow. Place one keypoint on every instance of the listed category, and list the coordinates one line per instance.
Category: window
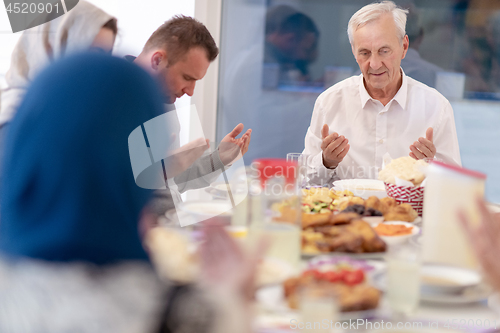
(270, 80)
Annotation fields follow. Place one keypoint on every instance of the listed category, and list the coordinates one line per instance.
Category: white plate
(373, 220)
(216, 194)
(362, 256)
(207, 208)
(459, 278)
(197, 211)
(470, 295)
(416, 240)
(272, 299)
(372, 268)
(417, 221)
(494, 302)
(363, 188)
(394, 240)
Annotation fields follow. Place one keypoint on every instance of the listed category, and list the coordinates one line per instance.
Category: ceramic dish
(357, 256)
(373, 220)
(474, 294)
(206, 208)
(363, 188)
(371, 267)
(395, 240)
(441, 279)
(416, 240)
(202, 210)
(272, 298)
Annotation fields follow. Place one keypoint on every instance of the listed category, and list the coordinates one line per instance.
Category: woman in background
(72, 259)
(82, 28)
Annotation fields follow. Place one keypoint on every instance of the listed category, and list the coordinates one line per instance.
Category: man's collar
(363, 93)
(400, 96)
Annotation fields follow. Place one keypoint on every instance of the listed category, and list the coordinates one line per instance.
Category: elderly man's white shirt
(374, 129)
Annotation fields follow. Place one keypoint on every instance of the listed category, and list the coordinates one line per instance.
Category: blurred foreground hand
(485, 241)
(182, 158)
(224, 265)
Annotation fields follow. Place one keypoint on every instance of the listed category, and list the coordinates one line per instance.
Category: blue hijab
(68, 191)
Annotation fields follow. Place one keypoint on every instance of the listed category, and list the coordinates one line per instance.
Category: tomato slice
(309, 272)
(342, 273)
(320, 275)
(314, 273)
(354, 277)
(332, 276)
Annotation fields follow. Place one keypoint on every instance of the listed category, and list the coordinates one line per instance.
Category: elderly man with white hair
(357, 121)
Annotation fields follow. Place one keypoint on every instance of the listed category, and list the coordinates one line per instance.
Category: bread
(403, 212)
(371, 241)
(349, 201)
(405, 168)
(373, 202)
(312, 219)
(386, 204)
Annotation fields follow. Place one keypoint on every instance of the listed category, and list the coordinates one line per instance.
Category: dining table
(474, 310)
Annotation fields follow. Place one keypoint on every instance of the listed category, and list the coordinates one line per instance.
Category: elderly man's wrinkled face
(378, 52)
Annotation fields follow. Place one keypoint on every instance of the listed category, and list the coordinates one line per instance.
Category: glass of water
(403, 279)
(318, 305)
(302, 164)
(276, 212)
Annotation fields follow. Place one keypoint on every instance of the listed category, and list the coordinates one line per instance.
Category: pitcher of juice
(448, 190)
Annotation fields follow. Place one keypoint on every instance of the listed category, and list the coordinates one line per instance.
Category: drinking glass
(275, 211)
(318, 307)
(403, 279)
(302, 165)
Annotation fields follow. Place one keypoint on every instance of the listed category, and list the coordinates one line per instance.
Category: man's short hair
(373, 12)
(178, 35)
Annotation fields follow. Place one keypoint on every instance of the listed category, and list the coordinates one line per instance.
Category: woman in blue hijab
(72, 259)
(67, 178)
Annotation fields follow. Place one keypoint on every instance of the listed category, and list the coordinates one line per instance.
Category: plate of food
(396, 232)
(387, 207)
(443, 279)
(218, 190)
(343, 233)
(469, 295)
(445, 285)
(174, 253)
(350, 232)
(202, 210)
(370, 268)
(344, 281)
(363, 188)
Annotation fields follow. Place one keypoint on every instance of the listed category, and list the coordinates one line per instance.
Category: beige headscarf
(38, 46)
